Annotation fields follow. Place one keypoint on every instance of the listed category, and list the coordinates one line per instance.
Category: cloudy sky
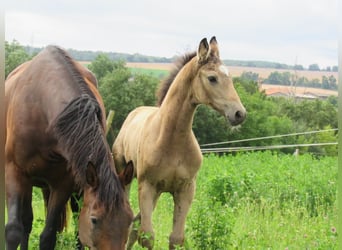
(286, 31)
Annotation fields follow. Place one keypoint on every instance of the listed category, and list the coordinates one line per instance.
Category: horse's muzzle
(237, 118)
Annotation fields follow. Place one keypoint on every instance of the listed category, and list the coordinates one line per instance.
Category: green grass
(249, 201)
(158, 73)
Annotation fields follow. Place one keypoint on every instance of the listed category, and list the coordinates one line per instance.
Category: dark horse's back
(35, 94)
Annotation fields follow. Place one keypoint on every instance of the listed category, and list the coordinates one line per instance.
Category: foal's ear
(91, 176)
(214, 47)
(203, 51)
(126, 176)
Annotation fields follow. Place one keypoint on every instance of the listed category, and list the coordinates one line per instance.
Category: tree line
(288, 79)
(123, 90)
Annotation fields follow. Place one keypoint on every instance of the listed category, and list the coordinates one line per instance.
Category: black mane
(79, 131)
(165, 85)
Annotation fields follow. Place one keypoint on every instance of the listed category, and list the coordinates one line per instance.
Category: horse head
(100, 227)
(213, 85)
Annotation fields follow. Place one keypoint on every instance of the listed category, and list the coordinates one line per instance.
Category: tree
(274, 78)
(332, 82)
(325, 82)
(314, 67)
(121, 90)
(298, 67)
(103, 65)
(314, 114)
(278, 78)
(250, 76)
(15, 55)
(302, 81)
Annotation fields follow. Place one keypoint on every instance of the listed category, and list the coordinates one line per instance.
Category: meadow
(259, 200)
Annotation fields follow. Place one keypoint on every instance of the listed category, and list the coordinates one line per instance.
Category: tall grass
(274, 201)
(248, 201)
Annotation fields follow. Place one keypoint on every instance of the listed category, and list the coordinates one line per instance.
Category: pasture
(258, 200)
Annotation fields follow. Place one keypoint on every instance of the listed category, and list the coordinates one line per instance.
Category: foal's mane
(166, 84)
(79, 130)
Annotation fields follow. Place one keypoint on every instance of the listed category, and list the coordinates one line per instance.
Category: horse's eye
(93, 220)
(212, 79)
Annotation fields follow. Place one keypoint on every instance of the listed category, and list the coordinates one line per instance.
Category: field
(237, 70)
(160, 70)
(257, 200)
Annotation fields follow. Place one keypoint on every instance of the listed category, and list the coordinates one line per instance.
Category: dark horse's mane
(79, 130)
(165, 85)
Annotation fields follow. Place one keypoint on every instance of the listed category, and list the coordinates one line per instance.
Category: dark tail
(63, 216)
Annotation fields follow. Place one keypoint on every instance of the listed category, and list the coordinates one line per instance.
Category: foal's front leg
(182, 201)
(147, 200)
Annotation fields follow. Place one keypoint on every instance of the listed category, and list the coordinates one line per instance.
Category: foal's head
(101, 227)
(212, 84)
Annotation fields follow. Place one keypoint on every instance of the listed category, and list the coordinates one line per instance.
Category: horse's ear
(126, 176)
(203, 50)
(91, 176)
(213, 40)
(214, 47)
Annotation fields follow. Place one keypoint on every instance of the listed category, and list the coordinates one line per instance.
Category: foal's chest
(172, 172)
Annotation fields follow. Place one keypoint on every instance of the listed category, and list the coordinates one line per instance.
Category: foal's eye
(212, 79)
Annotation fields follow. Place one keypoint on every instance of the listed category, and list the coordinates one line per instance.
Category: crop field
(237, 70)
(160, 70)
(259, 200)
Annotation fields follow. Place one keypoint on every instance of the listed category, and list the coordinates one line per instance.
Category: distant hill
(258, 64)
(82, 55)
(87, 55)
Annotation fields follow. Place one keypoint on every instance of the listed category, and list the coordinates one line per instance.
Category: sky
(286, 31)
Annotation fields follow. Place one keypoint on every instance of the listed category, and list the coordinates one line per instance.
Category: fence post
(109, 120)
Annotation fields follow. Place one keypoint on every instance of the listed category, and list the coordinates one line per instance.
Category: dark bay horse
(161, 145)
(55, 139)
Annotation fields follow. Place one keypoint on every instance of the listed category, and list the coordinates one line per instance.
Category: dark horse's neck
(63, 58)
(79, 130)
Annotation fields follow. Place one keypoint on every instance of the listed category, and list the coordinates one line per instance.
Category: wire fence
(206, 150)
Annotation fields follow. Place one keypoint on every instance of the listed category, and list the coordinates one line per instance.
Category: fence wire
(206, 150)
(268, 137)
(255, 148)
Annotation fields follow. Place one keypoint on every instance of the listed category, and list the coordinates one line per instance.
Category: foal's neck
(177, 111)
